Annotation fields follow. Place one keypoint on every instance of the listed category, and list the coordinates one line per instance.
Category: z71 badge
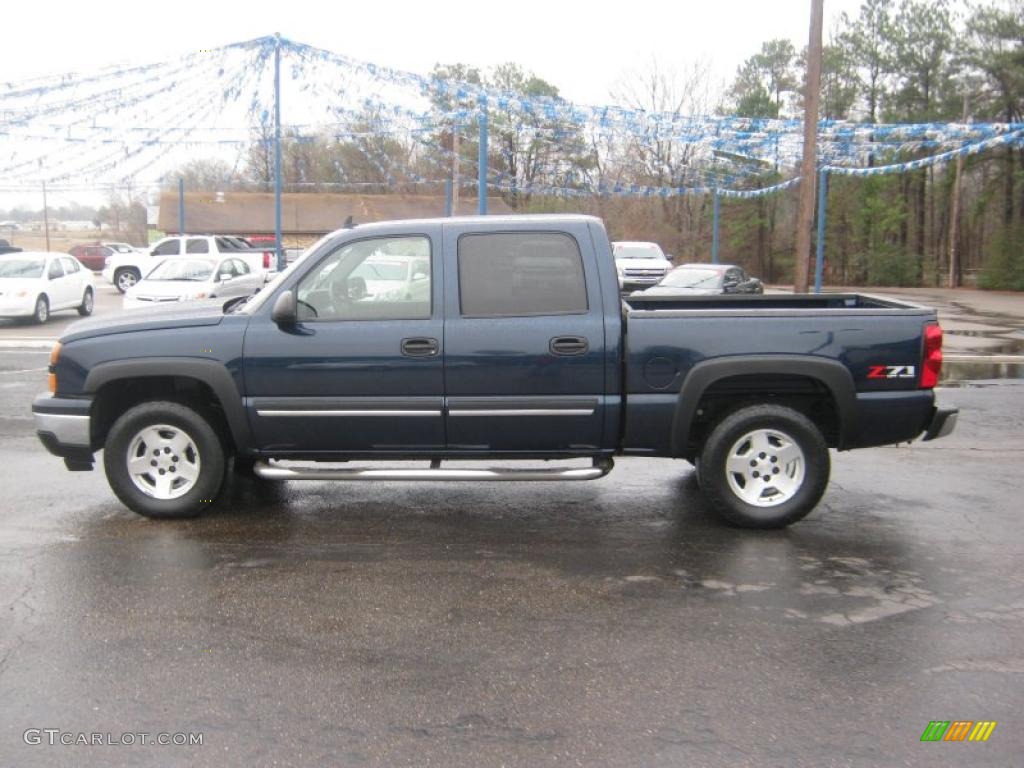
(891, 372)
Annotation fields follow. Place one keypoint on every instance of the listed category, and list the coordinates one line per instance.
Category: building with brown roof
(304, 216)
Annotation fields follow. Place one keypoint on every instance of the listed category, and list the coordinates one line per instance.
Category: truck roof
(546, 219)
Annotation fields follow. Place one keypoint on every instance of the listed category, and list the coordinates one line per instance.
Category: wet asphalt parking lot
(613, 622)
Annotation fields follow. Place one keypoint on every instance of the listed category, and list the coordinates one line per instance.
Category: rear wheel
(42, 311)
(764, 466)
(85, 308)
(126, 278)
(164, 460)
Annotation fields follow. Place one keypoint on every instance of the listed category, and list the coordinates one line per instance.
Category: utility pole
(455, 169)
(954, 214)
(808, 175)
(277, 154)
(46, 218)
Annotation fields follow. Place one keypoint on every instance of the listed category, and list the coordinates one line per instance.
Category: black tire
(738, 490)
(42, 312)
(204, 453)
(125, 278)
(88, 300)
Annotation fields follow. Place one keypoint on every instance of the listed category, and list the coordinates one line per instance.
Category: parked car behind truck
(518, 346)
(125, 270)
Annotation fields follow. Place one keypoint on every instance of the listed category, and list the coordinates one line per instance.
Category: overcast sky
(581, 47)
(584, 48)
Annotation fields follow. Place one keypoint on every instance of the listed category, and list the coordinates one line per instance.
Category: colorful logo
(958, 730)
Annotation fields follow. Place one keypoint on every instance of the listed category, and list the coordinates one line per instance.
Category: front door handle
(420, 347)
(569, 345)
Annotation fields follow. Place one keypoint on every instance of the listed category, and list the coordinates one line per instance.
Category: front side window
(55, 270)
(384, 278)
(520, 275)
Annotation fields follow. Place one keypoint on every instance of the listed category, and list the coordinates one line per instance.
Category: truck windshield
(638, 252)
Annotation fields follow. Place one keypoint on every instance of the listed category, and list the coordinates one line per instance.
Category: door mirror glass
(286, 310)
(224, 276)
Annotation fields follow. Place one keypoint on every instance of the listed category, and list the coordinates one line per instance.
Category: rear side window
(170, 248)
(70, 265)
(196, 245)
(521, 274)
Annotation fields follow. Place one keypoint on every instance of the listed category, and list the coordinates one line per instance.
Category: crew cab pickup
(510, 343)
(124, 270)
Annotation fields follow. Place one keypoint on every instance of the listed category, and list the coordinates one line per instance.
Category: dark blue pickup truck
(493, 338)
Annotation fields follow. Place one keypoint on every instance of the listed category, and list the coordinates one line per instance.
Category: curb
(40, 343)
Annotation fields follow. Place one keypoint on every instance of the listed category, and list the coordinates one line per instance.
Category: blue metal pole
(819, 259)
(447, 197)
(715, 220)
(277, 153)
(181, 205)
(481, 183)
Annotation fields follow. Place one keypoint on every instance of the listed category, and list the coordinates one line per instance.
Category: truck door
(358, 374)
(524, 341)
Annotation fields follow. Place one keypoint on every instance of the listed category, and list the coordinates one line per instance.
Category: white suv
(639, 265)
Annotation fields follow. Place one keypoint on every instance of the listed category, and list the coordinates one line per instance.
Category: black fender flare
(834, 375)
(209, 372)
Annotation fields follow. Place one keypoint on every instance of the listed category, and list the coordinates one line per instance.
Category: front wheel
(85, 308)
(164, 460)
(42, 311)
(764, 466)
(126, 278)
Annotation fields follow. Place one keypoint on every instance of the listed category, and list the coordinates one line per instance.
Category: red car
(94, 256)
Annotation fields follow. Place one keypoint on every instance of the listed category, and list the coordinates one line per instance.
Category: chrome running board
(268, 471)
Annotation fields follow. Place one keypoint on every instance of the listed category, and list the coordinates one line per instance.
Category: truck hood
(192, 314)
(642, 264)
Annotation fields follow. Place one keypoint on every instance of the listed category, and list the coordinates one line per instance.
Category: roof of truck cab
(540, 219)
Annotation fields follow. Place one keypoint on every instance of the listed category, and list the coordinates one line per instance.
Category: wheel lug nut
(171, 469)
(174, 458)
(775, 470)
(753, 462)
(152, 463)
(761, 455)
(774, 459)
(163, 471)
(756, 473)
(168, 450)
(156, 452)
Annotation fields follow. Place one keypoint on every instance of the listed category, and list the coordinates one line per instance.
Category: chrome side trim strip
(272, 472)
(301, 413)
(68, 429)
(521, 412)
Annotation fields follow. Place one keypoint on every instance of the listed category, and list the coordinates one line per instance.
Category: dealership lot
(606, 623)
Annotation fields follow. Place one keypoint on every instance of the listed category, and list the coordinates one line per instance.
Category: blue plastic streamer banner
(135, 123)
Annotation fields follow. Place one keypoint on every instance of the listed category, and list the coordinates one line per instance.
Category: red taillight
(266, 259)
(931, 365)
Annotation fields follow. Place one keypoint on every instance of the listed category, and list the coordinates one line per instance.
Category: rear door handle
(420, 347)
(569, 345)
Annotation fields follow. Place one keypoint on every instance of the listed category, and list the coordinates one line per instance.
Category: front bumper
(63, 426)
(943, 422)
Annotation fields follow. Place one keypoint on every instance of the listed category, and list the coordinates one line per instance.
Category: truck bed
(761, 302)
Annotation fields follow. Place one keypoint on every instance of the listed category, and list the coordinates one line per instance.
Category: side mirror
(286, 309)
(223, 276)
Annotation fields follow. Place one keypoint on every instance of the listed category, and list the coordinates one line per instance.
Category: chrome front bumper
(63, 427)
